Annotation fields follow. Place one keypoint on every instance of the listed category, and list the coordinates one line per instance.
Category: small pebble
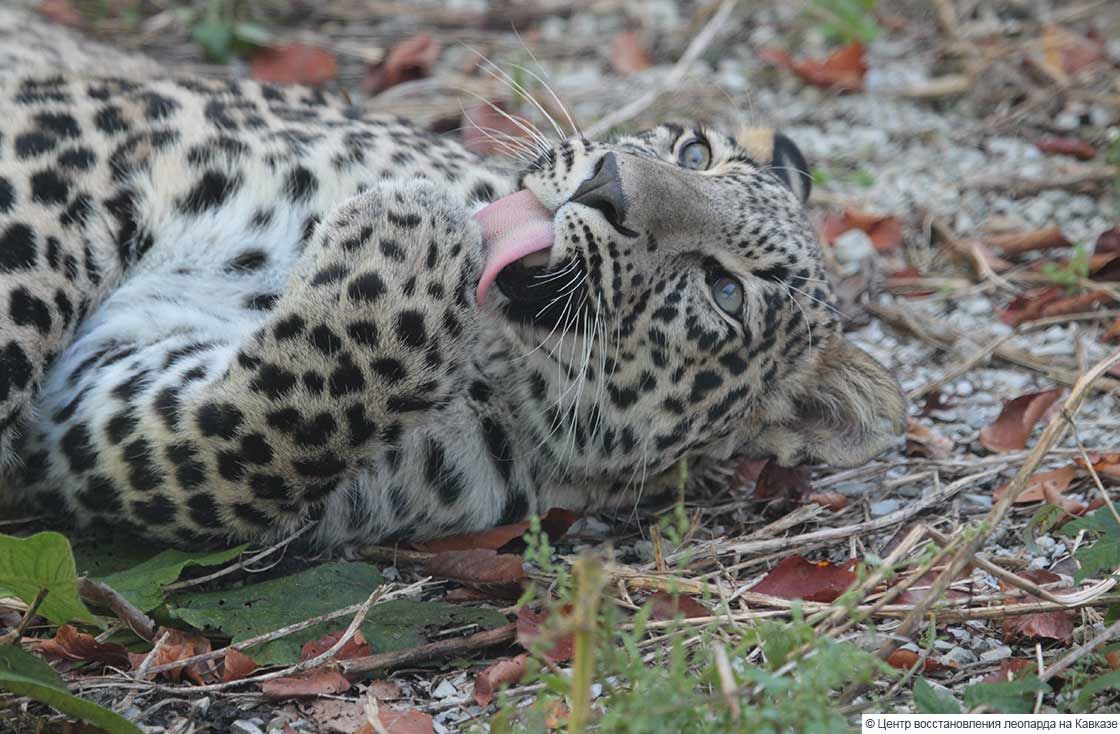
(1002, 652)
(445, 690)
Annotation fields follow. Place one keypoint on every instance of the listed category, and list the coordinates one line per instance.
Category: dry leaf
(60, 11)
(906, 659)
(628, 56)
(179, 646)
(1057, 625)
(1016, 421)
(832, 500)
(1107, 466)
(923, 441)
(401, 722)
(316, 682)
(70, 644)
(554, 524)
(503, 672)
(844, 70)
(920, 588)
(238, 665)
(384, 690)
(529, 632)
(782, 482)
(1056, 481)
(481, 567)
(1009, 669)
(1075, 147)
(294, 63)
(798, 578)
(885, 231)
(1112, 333)
(409, 60)
(355, 647)
(490, 128)
(1015, 243)
(668, 606)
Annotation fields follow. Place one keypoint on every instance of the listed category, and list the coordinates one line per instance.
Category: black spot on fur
(447, 482)
(410, 329)
(273, 381)
(210, 191)
(247, 262)
(26, 309)
(7, 198)
(301, 184)
(203, 510)
(143, 474)
(330, 274)
(157, 510)
(288, 328)
(219, 419)
(77, 447)
(366, 288)
(363, 332)
(18, 248)
(29, 145)
(48, 188)
(108, 120)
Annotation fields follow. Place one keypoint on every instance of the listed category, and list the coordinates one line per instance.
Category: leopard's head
(665, 296)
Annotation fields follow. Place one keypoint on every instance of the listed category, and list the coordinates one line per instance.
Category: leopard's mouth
(517, 232)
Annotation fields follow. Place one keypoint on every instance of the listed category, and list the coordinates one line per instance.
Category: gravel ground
(879, 150)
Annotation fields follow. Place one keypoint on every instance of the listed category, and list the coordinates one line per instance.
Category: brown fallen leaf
(777, 482)
(237, 665)
(628, 55)
(1075, 147)
(315, 682)
(409, 60)
(384, 690)
(923, 441)
(668, 606)
(1056, 481)
(920, 588)
(179, 646)
(798, 578)
(832, 500)
(1015, 243)
(477, 567)
(843, 70)
(1009, 670)
(400, 722)
(70, 644)
(491, 128)
(293, 63)
(1112, 333)
(1013, 427)
(1056, 625)
(529, 633)
(1107, 466)
(62, 12)
(355, 647)
(885, 231)
(554, 524)
(502, 672)
(903, 659)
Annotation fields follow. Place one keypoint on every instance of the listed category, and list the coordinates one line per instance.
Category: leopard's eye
(728, 294)
(696, 155)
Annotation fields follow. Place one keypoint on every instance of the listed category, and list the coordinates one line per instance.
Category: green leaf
(43, 561)
(143, 584)
(252, 33)
(252, 610)
(930, 700)
(25, 675)
(1012, 697)
(216, 39)
(1104, 553)
(1095, 686)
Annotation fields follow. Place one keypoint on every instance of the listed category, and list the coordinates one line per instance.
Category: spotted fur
(227, 307)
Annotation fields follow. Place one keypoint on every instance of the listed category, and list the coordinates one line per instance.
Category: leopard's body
(226, 308)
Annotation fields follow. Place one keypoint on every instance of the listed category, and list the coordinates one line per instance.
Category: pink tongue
(512, 227)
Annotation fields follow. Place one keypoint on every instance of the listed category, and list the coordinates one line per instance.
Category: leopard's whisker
(496, 72)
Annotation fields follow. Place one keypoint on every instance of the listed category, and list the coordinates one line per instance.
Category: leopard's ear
(781, 155)
(850, 410)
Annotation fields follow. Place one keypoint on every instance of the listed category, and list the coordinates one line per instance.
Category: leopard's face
(680, 293)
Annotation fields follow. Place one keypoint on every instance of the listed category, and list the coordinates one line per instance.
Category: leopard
(231, 310)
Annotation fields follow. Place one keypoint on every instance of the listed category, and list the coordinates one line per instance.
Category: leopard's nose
(603, 191)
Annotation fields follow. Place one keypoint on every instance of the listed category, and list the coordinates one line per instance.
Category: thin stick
(430, 651)
(1055, 429)
(13, 637)
(673, 78)
(187, 583)
(146, 665)
(283, 631)
(1077, 653)
(102, 594)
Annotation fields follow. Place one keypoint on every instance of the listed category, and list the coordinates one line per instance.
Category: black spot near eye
(778, 273)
